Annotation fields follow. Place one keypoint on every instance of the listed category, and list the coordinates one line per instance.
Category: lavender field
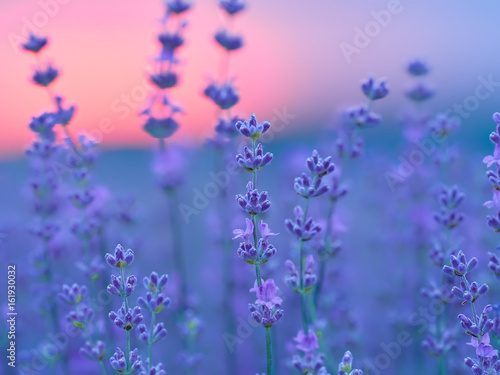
(243, 235)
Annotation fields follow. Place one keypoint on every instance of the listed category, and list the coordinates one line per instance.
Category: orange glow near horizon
(103, 63)
(292, 62)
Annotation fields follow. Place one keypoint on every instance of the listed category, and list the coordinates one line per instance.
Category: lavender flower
(479, 326)
(45, 77)
(450, 199)
(164, 80)
(459, 265)
(81, 316)
(170, 41)
(374, 90)
(306, 343)
(161, 127)
(159, 332)
(121, 257)
(253, 202)
(252, 128)
(63, 116)
(362, 117)
(230, 42)
(308, 361)
(266, 294)
(302, 228)
(35, 44)
(417, 68)
(225, 96)
(126, 318)
(120, 364)
(267, 308)
(420, 93)
(178, 6)
(120, 288)
(309, 278)
(44, 125)
(93, 352)
(254, 160)
(247, 250)
(156, 370)
(345, 366)
(72, 295)
(443, 126)
(232, 6)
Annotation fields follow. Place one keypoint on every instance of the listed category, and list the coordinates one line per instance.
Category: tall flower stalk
(161, 123)
(349, 146)
(154, 301)
(45, 186)
(476, 327)
(222, 142)
(255, 248)
(126, 318)
(304, 228)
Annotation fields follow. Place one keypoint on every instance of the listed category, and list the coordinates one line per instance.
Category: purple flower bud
(253, 161)
(34, 43)
(177, 6)
(126, 319)
(374, 90)
(164, 80)
(72, 295)
(230, 42)
(45, 77)
(420, 93)
(161, 127)
(362, 117)
(94, 353)
(252, 128)
(304, 229)
(253, 202)
(232, 6)
(225, 96)
(417, 68)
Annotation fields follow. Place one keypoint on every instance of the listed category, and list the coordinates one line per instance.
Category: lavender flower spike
(121, 258)
(266, 294)
(303, 228)
(94, 353)
(252, 128)
(345, 366)
(119, 363)
(35, 43)
(253, 202)
(374, 90)
(232, 6)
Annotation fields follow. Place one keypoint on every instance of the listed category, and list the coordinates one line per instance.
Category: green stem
(328, 243)
(127, 353)
(125, 300)
(472, 305)
(257, 274)
(123, 288)
(103, 368)
(254, 173)
(303, 303)
(442, 366)
(269, 351)
(71, 141)
(150, 341)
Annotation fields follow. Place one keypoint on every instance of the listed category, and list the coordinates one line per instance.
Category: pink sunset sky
(294, 60)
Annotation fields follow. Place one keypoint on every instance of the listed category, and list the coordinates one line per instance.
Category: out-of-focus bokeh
(303, 56)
